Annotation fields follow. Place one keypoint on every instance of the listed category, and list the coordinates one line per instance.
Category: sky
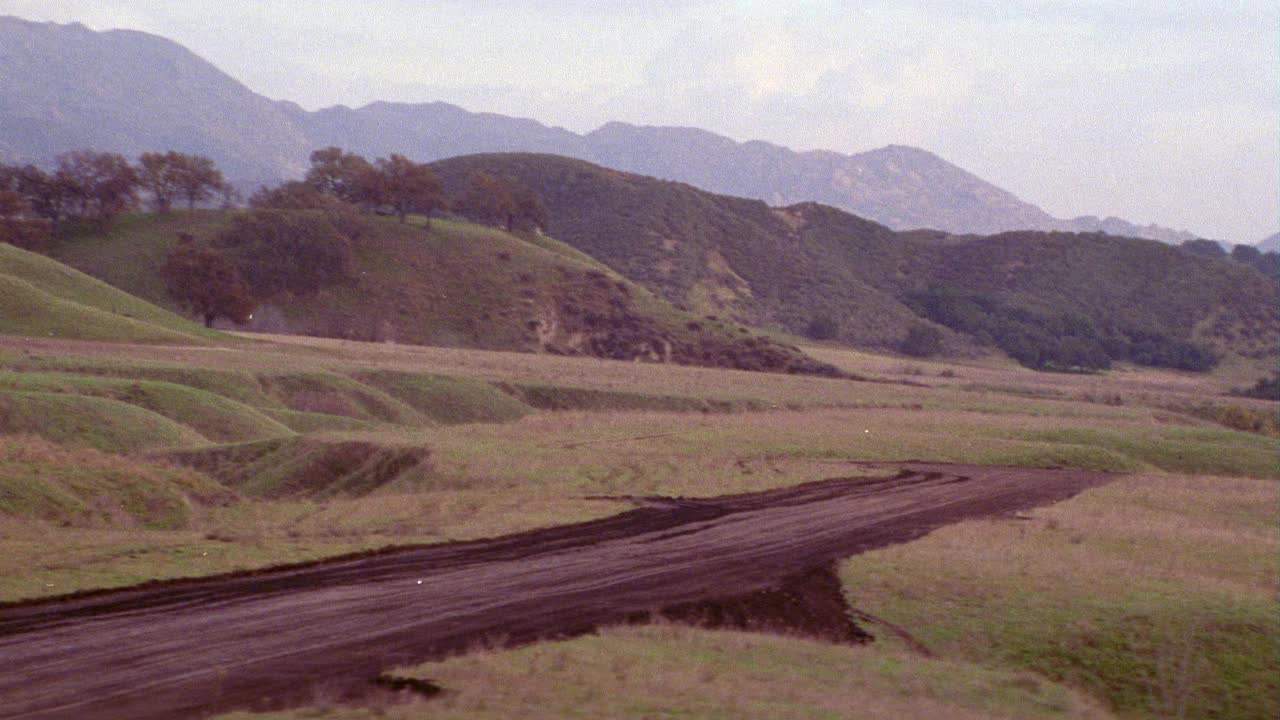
(1153, 111)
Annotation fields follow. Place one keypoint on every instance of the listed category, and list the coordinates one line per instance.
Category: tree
(1204, 248)
(206, 281)
(530, 213)
(344, 175)
(405, 186)
(294, 251)
(158, 175)
(171, 175)
(198, 179)
(50, 196)
(16, 226)
(487, 199)
(101, 185)
(501, 201)
(12, 204)
(295, 195)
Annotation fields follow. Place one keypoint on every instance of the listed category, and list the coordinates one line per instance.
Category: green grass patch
(334, 394)
(309, 422)
(101, 423)
(130, 255)
(1179, 449)
(447, 400)
(217, 418)
(41, 297)
(562, 397)
(86, 488)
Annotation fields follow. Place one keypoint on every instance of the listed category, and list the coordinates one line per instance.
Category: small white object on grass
(419, 582)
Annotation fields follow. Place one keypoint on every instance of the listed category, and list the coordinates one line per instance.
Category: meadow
(1152, 596)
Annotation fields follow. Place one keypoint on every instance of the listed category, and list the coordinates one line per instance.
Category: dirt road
(293, 635)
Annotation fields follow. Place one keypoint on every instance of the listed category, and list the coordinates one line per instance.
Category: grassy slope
(455, 285)
(217, 418)
(741, 259)
(1155, 593)
(41, 297)
(86, 488)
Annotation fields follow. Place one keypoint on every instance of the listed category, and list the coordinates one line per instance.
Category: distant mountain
(797, 266)
(64, 87)
(1270, 244)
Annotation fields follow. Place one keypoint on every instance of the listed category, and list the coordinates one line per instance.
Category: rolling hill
(455, 285)
(39, 296)
(791, 266)
(66, 87)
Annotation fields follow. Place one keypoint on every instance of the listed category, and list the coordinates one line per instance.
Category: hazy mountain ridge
(66, 87)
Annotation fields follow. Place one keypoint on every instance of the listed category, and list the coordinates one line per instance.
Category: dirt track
(283, 637)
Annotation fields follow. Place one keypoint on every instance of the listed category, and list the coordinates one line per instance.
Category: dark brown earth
(288, 636)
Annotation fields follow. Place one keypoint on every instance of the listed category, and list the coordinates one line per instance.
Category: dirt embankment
(283, 637)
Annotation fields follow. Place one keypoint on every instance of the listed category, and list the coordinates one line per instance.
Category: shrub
(294, 251)
(822, 327)
(922, 341)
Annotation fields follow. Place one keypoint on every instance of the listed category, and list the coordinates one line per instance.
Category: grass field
(1150, 597)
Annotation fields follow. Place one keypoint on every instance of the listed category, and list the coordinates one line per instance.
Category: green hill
(797, 267)
(39, 296)
(455, 284)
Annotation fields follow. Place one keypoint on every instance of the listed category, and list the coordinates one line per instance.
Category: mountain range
(64, 87)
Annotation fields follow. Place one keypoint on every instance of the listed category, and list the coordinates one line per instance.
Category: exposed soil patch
(305, 467)
(286, 636)
(811, 604)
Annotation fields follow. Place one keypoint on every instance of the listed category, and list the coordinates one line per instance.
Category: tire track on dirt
(289, 635)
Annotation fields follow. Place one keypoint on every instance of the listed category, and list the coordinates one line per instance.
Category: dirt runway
(292, 635)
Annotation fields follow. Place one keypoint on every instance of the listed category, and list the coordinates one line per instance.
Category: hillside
(792, 266)
(39, 296)
(66, 87)
(454, 285)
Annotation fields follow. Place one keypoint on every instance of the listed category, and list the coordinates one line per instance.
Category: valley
(405, 411)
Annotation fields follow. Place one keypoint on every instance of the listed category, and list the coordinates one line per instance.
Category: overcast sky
(1165, 112)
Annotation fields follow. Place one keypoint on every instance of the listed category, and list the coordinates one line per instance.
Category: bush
(822, 327)
(295, 251)
(1061, 341)
(1267, 388)
(922, 341)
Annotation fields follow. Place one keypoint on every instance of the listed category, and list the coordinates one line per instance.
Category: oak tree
(405, 186)
(206, 281)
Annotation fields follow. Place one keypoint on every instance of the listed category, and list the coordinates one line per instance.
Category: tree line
(1062, 340)
(97, 187)
(1267, 263)
(86, 186)
(398, 186)
(299, 236)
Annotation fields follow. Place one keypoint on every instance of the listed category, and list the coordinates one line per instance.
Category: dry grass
(1117, 591)
(669, 672)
